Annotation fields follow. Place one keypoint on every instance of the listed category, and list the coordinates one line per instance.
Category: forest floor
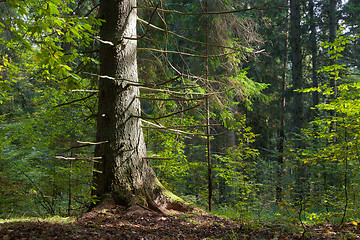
(138, 223)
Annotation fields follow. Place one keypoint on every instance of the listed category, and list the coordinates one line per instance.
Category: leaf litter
(138, 223)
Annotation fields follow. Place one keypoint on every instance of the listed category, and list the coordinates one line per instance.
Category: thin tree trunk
(208, 128)
(313, 43)
(297, 69)
(279, 190)
(332, 36)
(298, 113)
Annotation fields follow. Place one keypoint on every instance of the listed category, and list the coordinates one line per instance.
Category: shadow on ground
(138, 223)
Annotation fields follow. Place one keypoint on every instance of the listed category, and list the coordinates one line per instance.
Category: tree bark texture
(124, 174)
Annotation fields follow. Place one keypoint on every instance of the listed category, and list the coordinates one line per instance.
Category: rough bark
(124, 174)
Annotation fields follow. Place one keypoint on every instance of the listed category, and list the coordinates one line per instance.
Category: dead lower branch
(216, 13)
(161, 127)
(188, 39)
(85, 90)
(171, 99)
(93, 143)
(190, 54)
(93, 159)
(169, 115)
(186, 126)
(77, 100)
(147, 27)
(156, 158)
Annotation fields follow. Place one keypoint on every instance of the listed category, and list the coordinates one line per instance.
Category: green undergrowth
(290, 218)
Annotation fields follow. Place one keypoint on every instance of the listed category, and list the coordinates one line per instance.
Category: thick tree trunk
(124, 174)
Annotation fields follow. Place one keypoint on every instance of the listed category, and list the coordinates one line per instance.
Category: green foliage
(237, 169)
(333, 141)
(46, 50)
(172, 165)
(42, 45)
(28, 160)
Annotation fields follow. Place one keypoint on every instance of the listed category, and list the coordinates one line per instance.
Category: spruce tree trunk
(124, 174)
(313, 44)
(332, 36)
(280, 160)
(298, 82)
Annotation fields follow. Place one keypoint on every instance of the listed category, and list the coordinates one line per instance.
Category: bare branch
(96, 6)
(147, 28)
(188, 54)
(77, 100)
(186, 126)
(103, 41)
(157, 126)
(217, 13)
(169, 91)
(169, 115)
(167, 81)
(187, 39)
(132, 83)
(184, 93)
(85, 90)
(156, 158)
(171, 99)
(78, 6)
(94, 159)
(93, 143)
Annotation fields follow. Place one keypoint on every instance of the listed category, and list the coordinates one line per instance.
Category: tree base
(163, 202)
